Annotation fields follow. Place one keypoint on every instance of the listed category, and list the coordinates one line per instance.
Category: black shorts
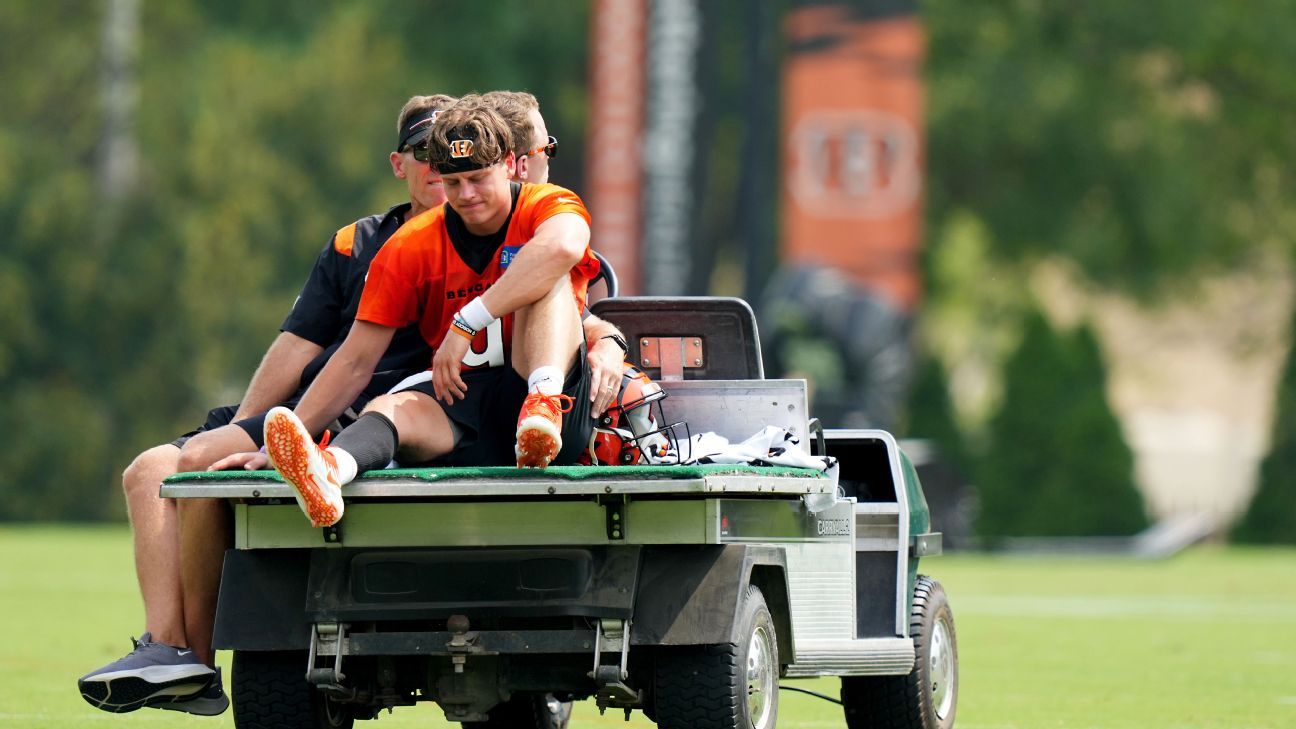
(488, 414)
(253, 426)
(216, 417)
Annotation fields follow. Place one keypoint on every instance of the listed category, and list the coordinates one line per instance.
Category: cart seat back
(705, 352)
(687, 337)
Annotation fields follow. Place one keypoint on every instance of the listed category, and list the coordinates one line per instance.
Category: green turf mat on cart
(569, 473)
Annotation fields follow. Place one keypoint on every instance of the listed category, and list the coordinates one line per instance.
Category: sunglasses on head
(550, 149)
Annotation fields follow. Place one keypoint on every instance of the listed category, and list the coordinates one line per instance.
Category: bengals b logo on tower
(460, 148)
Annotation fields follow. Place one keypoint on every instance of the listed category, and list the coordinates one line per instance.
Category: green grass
(1203, 641)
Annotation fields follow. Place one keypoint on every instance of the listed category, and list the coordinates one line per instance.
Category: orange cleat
(539, 429)
(310, 469)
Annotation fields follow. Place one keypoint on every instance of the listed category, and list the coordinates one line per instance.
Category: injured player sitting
(496, 281)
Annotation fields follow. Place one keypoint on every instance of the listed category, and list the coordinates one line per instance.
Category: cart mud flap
(262, 603)
(689, 595)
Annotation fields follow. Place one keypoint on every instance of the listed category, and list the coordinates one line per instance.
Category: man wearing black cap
(496, 281)
(172, 664)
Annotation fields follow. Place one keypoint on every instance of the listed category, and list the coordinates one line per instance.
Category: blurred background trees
(1271, 517)
(1144, 141)
(1139, 143)
(1056, 463)
(260, 128)
(1146, 144)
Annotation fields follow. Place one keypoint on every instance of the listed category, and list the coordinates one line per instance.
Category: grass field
(1204, 640)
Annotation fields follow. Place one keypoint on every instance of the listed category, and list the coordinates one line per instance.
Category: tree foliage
(262, 128)
(1147, 141)
(1271, 518)
(931, 414)
(1057, 463)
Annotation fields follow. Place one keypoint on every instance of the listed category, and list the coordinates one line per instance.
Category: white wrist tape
(476, 315)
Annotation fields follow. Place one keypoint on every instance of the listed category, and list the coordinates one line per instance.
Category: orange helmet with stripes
(631, 431)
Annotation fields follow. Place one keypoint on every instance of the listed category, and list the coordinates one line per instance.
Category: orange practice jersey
(420, 277)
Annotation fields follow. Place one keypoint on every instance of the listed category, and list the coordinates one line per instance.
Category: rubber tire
(905, 702)
(705, 687)
(270, 692)
(525, 711)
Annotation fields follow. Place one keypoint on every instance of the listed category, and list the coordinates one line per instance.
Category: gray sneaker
(153, 673)
(211, 701)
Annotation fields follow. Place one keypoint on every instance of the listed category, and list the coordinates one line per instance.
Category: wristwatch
(620, 342)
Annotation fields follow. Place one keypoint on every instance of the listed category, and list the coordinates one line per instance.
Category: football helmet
(632, 431)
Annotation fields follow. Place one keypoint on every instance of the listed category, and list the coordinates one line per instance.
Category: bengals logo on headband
(461, 148)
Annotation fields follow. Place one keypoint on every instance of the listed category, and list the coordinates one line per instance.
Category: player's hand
(254, 461)
(606, 363)
(446, 364)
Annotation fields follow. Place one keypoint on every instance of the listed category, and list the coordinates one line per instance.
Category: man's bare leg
(209, 446)
(205, 534)
(547, 332)
(160, 671)
(546, 341)
(156, 533)
(424, 428)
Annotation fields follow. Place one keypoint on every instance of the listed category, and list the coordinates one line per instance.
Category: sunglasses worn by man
(550, 149)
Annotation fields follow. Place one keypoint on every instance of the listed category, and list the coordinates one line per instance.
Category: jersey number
(493, 354)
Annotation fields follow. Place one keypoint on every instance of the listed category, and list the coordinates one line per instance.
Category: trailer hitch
(462, 641)
(328, 678)
(613, 636)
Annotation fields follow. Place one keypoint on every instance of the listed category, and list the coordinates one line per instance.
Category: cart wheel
(270, 692)
(722, 686)
(928, 696)
(526, 711)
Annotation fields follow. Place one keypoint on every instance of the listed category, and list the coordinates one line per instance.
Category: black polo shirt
(326, 308)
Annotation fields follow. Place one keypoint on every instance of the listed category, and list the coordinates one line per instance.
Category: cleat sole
(291, 456)
(536, 448)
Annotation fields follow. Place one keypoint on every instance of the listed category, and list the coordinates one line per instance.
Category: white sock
(547, 380)
(346, 465)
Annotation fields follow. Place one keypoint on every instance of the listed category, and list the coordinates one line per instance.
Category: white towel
(771, 446)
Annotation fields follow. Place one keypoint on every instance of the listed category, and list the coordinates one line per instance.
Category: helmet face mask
(632, 431)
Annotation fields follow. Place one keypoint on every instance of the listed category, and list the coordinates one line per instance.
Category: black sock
(371, 440)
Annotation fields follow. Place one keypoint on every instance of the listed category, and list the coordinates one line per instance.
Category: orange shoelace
(555, 404)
